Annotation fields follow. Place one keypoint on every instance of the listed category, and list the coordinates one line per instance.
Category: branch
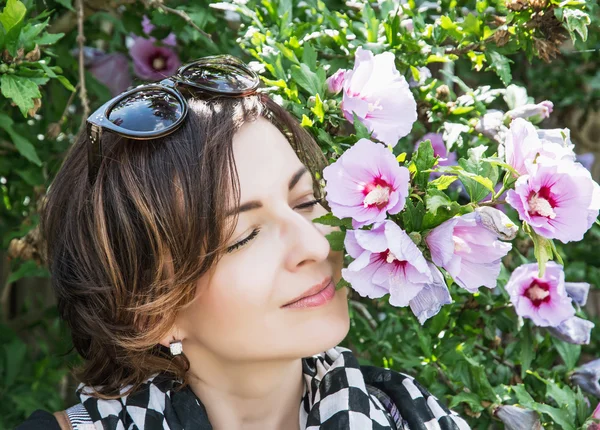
(362, 309)
(180, 13)
(80, 42)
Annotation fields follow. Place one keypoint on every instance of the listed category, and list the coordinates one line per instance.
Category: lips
(314, 290)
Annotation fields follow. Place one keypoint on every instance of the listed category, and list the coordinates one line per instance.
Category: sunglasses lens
(221, 77)
(146, 110)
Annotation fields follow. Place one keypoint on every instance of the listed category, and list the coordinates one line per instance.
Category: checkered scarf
(335, 397)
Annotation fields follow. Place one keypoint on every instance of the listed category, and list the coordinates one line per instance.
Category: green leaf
(542, 248)
(436, 199)
(526, 349)
(21, 90)
(462, 110)
(28, 269)
(371, 23)
(472, 25)
(11, 19)
(25, 148)
(361, 131)
(443, 182)
(479, 176)
(30, 32)
(318, 108)
(424, 160)
(501, 65)
(309, 56)
(66, 3)
(413, 215)
(568, 352)
(564, 398)
(471, 399)
(336, 240)
(558, 416)
(576, 21)
(310, 81)
(49, 38)
(332, 220)
(12, 15)
(65, 83)
(14, 354)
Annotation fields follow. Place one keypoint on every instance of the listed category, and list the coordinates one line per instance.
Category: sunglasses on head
(156, 110)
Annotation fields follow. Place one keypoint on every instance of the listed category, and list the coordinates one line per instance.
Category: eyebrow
(255, 204)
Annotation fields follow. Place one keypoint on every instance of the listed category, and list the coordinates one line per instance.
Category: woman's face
(238, 312)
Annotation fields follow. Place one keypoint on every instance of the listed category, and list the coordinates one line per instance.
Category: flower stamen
(541, 206)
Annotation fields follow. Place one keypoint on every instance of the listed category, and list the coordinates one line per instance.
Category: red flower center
(389, 257)
(538, 292)
(377, 194)
(542, 203)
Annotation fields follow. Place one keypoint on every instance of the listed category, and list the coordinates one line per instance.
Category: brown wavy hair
(125, 254)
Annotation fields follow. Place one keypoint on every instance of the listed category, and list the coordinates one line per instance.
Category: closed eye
(255, 232)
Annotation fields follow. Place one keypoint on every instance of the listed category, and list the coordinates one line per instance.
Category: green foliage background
(476, 354)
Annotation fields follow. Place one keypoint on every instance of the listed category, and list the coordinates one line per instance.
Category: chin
(324, 328)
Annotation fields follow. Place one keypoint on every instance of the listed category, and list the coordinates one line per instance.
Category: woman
(197, 288)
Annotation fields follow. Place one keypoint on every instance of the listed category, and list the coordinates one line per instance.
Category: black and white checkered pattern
(336, 396)
(339, 395)
(417, 409)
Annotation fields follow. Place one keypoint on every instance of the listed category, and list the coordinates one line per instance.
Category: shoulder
(40, 420)
(415, 407)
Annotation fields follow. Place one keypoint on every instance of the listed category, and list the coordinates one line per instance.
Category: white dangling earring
(176, 347)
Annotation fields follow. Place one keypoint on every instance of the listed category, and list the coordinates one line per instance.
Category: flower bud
(335, 82)
(578, 291)
(415, 237)
(516, 418)
(496, 221)
(532, 113)
(574, 330)
(33, 55)
(312, 101)
(442, 92)
(587, 376)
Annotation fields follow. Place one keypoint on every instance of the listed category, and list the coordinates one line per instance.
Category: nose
(305, 241)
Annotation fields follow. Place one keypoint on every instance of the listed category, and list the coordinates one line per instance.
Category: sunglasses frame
(98, 121)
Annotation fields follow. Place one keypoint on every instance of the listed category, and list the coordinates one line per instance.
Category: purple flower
(558, 199)
(534, 113)
(432, 297)
(578, 291)
(111, 69)
(469, 251)
(439, 149)
(573, 330)
(522, 145)
(379, 96)
(386, 260)
(516, 418)
(543, 299)
(596, 413)
(152, 62)
(365, 183)
(335, 82)
(587, 376)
